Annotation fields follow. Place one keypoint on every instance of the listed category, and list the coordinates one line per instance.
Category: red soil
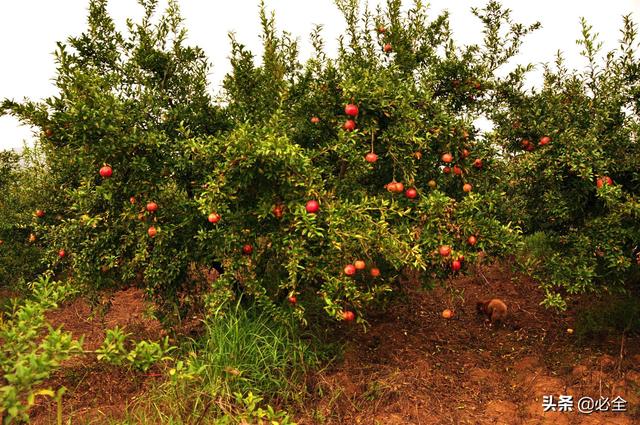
(411, 366)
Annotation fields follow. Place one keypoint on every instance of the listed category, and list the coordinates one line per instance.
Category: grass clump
(246, 366)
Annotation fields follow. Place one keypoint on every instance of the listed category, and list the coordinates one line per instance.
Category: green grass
(244, 350)
(243, 354)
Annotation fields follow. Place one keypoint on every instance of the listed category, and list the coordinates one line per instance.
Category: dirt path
(414, 367)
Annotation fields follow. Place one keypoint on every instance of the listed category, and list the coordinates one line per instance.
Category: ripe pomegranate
(293, 299)
(457, 170)
(456, 265)
(152, 207)
(348, 315)
(106, 172)
(351, 110)
(48, 132)
(375, 272)
(349, 125)
(446, 170)
(477, 163)
(381, 29)
(466, 187)
(465, 153)
(214, 218)
(359, 265)
(411, 193)
(152, 232)
(61, 253)
(447, 314)
(312, 206)
(447, 158)
(387, 48)
(602, 180)
(349, 269)
(472, 240)
(371, 157)
(445, 250)
(315, 120)
(277, 211)
(544, 140)
(247, 249)
(39, 213)
(399, 187)
(132, 200)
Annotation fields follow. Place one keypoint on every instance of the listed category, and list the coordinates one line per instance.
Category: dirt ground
(95, 390)
(411, 366)
(414, 367)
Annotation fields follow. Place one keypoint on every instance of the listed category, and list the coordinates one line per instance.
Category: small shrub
(30, 349)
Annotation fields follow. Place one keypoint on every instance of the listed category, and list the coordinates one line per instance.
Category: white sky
(29, 30)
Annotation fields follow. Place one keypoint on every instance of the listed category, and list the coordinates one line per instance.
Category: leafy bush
(21, 247)
(571, 162)
(142, 355)
(307, 185)
(290, 149)
(27, 357)
(31, 349)
(132, 103)
(136, 106)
